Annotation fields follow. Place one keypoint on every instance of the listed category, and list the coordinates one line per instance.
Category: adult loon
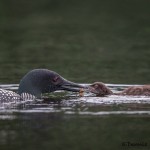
(35, 83)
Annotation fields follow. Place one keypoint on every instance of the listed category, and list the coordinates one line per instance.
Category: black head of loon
(40, 81)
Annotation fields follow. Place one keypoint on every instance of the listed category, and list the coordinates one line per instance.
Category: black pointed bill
(71, 86)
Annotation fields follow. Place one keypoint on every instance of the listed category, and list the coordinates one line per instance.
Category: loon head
(40, 81)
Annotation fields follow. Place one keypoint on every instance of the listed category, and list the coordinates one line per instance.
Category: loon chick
(100, 89)
(36, 82)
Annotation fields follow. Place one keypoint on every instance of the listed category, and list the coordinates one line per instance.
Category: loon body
(8, 96)
(35, 83)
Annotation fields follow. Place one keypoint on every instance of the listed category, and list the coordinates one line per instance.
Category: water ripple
(71, 103)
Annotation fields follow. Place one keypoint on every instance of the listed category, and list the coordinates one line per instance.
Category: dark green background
(84, 41)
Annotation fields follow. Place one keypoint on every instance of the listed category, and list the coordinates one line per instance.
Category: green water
(59, 132)
(84, 41)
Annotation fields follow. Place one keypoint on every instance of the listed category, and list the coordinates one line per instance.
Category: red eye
(55, 79)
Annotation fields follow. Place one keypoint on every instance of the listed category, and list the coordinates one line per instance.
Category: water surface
(67, 121)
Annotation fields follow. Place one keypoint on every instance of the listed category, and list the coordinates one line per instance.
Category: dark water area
(84, 41)
(51, 131)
